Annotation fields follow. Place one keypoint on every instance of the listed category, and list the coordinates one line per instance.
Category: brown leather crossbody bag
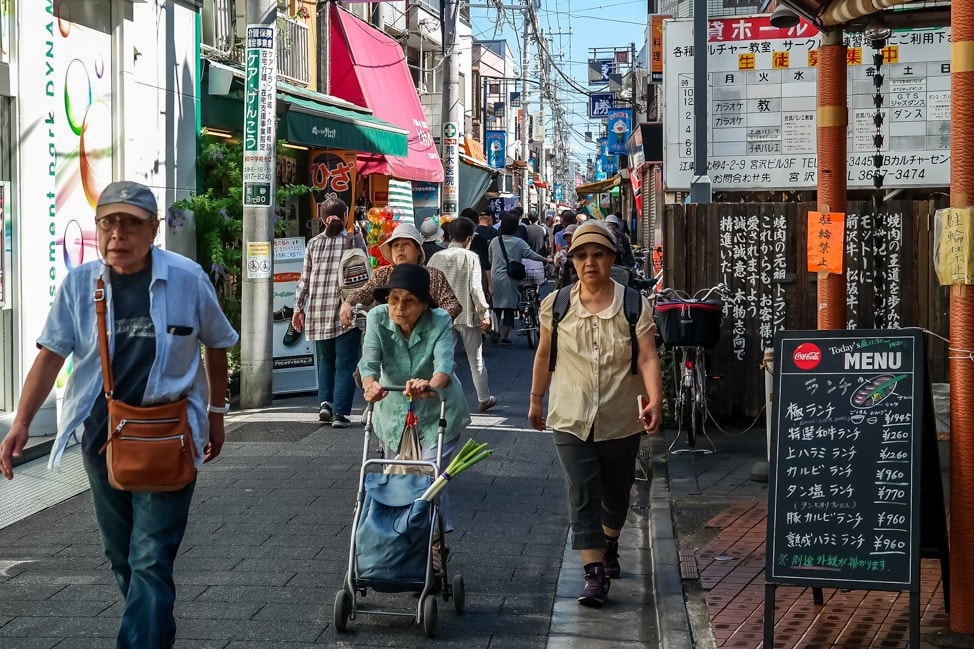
(149, 448)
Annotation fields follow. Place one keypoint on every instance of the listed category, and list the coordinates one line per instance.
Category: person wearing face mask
(317, 305)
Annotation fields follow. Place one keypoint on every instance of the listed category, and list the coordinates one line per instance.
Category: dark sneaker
(488, 404)
(341, 421)
(283, 314)
(324, 413)
(596, 587)
(291, 336)
(610, 557)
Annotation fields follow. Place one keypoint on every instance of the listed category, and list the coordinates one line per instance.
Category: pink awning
(368, 68)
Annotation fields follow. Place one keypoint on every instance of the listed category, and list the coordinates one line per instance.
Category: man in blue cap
(161, 309)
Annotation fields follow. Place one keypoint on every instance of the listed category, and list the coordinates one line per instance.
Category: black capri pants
(599, 477)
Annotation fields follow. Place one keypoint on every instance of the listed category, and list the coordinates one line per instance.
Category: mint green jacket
(391, 359)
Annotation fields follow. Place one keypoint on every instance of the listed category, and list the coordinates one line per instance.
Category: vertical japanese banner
(451, 161)
(259, 116)
(496, 145)
(656, 51)
(333, 174)
(826, 233)
(618, 125)
(635, 178)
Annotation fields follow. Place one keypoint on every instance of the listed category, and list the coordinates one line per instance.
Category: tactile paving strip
(35, 488)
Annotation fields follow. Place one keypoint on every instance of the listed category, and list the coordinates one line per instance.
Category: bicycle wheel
(698, 397)
(696, 424)
(684, 397)
(531, 321)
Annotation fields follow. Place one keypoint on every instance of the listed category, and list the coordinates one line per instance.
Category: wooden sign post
(855, 473)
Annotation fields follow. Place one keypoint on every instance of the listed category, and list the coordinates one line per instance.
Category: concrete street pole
(259, 148)
(450, 124)
(324, 54)
(700, 187)
(526, 174)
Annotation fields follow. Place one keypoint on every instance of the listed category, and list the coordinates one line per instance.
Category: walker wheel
(458, 594)
(343, 608)
(429, 616)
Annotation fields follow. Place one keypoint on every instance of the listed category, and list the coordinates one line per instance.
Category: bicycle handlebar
(721, 289)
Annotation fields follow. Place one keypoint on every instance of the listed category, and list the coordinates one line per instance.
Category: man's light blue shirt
(180, 297)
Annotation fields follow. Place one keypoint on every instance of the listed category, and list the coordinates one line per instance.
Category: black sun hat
(409, 277)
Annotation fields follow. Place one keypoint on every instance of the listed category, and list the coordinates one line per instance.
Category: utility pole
(450, 123)
(324, 37)
(526, 175)
(259, 149)
(632, 73)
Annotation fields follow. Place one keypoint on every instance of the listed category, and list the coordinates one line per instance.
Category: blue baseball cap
(127, 197)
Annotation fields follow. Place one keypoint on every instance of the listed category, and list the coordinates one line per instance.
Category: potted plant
(217, 209)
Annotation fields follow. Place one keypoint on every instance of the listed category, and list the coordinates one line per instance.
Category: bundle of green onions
(470, 454)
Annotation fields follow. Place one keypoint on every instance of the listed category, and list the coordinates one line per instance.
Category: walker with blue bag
(391, 549)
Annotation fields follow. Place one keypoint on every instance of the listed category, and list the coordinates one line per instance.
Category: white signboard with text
(762, 103)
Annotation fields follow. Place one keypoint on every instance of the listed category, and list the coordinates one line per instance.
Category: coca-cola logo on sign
(807, 356)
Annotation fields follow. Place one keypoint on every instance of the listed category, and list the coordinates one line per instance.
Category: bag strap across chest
(101, 308)
(632, 307)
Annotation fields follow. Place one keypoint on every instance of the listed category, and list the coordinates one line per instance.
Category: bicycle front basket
(689, 324)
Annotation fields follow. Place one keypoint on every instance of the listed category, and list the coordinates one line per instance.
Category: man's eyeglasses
(128, 224)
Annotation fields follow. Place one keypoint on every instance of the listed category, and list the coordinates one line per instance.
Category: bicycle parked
(690, 326)
(528, 305)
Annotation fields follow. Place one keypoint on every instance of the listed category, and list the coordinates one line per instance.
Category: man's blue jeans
(337, 358)
(141, 533)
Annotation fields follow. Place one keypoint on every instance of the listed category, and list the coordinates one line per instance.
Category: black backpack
(632, 306)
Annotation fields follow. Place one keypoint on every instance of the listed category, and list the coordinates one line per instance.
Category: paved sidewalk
(720, 516)
(267, 545)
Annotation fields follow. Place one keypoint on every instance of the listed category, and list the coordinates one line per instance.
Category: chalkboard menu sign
(844, 498)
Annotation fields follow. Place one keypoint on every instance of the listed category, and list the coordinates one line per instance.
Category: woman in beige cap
(595, 389)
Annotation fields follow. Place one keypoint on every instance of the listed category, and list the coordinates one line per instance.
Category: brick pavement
(726, 548)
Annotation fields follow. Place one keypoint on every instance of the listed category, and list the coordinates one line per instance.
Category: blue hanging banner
(495, 143)
(619, 124)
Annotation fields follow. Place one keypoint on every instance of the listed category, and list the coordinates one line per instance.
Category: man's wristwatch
(217, 410)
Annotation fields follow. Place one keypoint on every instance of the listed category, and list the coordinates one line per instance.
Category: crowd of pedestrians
(446, 282)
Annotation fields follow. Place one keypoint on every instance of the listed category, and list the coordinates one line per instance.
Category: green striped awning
(311, 119)
(314, 124)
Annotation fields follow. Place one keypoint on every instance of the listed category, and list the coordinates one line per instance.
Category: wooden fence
(760, 251)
